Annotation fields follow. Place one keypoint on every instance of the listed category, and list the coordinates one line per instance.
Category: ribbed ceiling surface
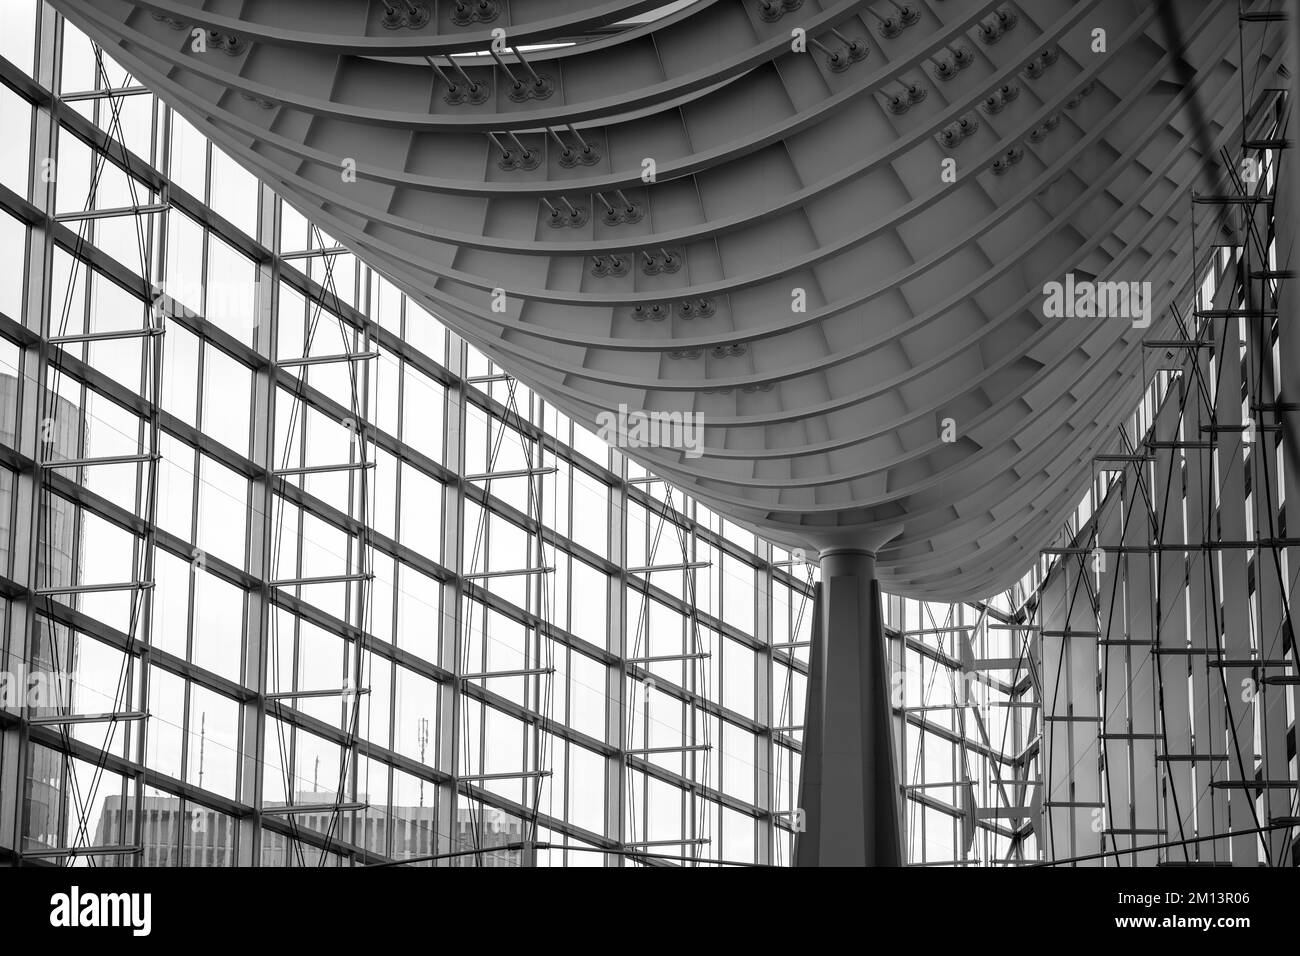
(778, 176)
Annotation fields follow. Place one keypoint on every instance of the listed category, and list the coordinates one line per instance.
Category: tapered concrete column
(849, 790)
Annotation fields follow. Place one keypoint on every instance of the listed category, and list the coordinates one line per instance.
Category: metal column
(849, 791)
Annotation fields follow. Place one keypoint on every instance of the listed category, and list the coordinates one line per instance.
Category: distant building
(175, 835)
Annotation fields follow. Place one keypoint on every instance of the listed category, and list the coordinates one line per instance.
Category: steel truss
(984, 673)
(642, 666)
(1167, 650)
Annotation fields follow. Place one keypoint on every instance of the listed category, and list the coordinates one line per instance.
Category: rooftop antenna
(422, 735)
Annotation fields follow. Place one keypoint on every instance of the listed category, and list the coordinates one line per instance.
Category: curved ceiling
(671, 208)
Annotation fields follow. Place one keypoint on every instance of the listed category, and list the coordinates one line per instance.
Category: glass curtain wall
(292, 575)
